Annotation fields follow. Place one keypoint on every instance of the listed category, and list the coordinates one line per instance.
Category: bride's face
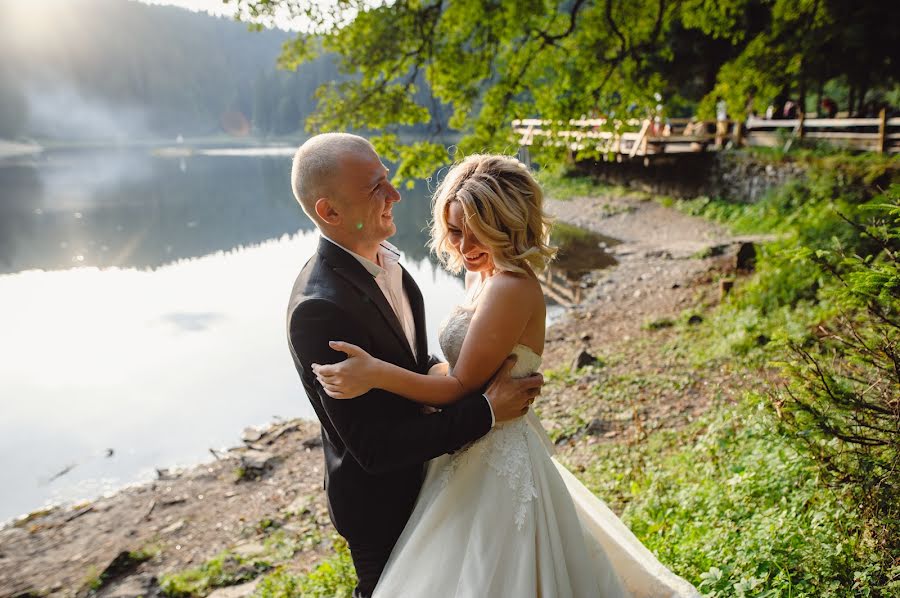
(476, 255)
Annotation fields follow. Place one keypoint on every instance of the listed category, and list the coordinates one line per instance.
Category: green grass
(565, 187)
(231, 568)
(225, 569)
(732, 506)
(332, 578)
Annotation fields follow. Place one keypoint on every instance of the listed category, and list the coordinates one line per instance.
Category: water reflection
(125, 209)
(167, 336)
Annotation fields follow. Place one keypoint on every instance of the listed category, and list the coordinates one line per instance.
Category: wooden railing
(633, 138)
(879, 134)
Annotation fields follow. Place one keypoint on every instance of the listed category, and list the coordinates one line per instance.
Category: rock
(675, 285)
(256, 460)
(583, 359)
(586, 337)
(249, 549)
(695, 319)
(132, 587)
(596, 427)
(122, 566)
(298, 506)
(245, 589)
(251, 434)
(173, 528)
(745, 259)
(713, 251)
(725, 286)
(312, 442)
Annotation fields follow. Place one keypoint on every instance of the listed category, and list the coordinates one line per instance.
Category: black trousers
(369, 562)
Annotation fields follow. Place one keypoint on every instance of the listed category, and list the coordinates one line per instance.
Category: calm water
(142, 305)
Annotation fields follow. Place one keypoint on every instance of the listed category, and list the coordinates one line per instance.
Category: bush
(841, 398)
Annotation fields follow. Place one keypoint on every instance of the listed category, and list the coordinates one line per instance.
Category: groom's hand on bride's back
(511, 397)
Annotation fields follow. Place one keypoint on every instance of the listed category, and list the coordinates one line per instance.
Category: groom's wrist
(491, 409)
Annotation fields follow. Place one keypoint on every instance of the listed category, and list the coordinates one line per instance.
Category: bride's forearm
(428, 390)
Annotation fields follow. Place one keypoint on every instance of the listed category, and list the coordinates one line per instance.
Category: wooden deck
(643, 138)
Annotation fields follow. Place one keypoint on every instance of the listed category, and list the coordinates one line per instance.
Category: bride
(500, 517)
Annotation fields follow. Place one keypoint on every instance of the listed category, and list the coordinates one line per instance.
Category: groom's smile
(367, 199)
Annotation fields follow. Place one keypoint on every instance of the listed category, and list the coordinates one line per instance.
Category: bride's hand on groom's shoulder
(350, 378)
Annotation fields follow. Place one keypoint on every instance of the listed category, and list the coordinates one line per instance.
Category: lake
(142, 307)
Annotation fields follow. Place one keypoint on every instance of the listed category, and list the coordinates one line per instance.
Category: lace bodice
(453, 332)
(505, 448)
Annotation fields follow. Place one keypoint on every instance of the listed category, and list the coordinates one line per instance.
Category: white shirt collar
(387, 253)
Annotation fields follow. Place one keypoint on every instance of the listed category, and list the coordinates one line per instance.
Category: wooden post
(802, 117)
(640, 139)
(882, 130)
(738, 133)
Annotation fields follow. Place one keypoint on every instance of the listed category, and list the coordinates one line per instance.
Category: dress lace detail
(505, 448)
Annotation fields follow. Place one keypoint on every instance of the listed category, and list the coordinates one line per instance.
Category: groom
(354, 290)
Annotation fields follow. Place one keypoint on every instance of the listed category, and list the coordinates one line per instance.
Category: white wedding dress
(502, 518)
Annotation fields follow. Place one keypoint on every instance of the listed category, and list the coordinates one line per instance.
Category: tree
(496, 60)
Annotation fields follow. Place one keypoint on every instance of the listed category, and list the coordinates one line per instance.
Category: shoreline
(273, 481)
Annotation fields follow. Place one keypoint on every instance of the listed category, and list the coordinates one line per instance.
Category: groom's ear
(325, 210)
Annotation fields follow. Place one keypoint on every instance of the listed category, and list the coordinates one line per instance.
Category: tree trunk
(819, 96)
(801, 93)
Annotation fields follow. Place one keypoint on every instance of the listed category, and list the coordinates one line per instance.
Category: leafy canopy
(486, 62)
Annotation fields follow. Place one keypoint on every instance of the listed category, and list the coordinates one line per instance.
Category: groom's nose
(393, 194)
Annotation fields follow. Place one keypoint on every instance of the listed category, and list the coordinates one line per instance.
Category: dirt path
(185, 518)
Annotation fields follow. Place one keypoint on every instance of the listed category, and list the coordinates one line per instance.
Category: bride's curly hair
(503, 206)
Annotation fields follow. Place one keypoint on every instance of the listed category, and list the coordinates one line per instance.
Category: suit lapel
(417, 304)
(350, 269)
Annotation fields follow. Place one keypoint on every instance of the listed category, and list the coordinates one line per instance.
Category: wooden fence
(633, 138)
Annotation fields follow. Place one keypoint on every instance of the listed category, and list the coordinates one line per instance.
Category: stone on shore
(257, 461)
(583, 359)
(245, 589)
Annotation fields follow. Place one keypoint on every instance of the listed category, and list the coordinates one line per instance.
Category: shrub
(841, 397)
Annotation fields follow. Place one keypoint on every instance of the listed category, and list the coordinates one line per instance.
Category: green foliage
(841, 396)
(734, 507)
(827, 294)
(784, 300)
(225, 569)
(566, 186)
(486, 63)
(334, 577)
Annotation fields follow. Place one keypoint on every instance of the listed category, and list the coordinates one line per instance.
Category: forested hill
(115, 69)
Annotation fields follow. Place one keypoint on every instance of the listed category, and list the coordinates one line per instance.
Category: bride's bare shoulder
(516, 285)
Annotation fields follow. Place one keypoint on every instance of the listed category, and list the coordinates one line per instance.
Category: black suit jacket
(375, 445)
